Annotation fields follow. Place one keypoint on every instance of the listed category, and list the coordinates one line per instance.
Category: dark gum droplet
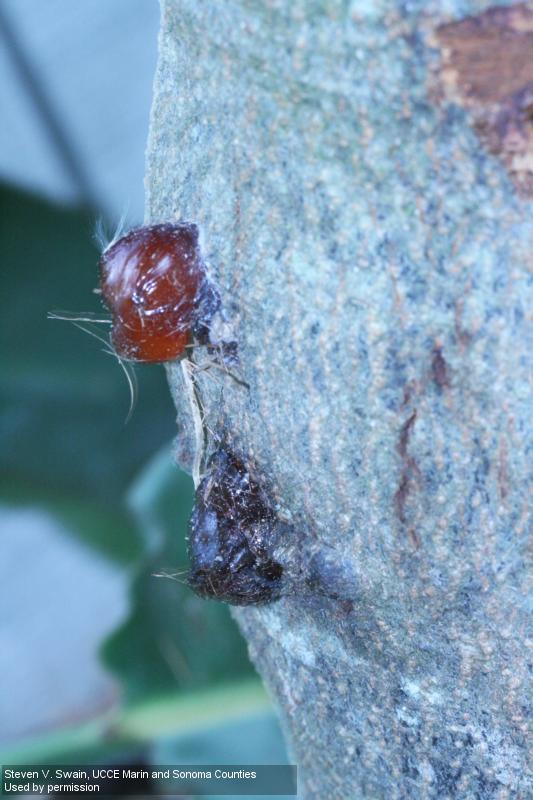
(231, 536)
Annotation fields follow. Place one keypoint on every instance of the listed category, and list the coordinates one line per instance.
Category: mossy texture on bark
(374, 266)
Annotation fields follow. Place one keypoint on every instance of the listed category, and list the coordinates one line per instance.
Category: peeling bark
(488, 68)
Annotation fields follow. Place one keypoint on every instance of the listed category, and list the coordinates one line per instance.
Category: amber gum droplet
(150, 281)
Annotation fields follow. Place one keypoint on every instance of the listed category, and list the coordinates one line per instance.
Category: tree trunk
(360, 182)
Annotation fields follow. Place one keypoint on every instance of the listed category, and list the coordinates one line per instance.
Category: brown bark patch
(487, 67)
(409, 473)
(439, 369)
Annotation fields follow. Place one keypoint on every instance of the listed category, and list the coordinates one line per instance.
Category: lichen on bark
(374, 266)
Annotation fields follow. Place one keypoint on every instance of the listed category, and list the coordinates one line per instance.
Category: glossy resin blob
(153, 282)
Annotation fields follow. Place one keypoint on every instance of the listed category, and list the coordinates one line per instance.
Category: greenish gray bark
(374, 264)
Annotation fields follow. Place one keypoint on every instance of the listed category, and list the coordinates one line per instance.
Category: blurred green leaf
(244, 738)
(196, 712)
(127, 731)
(62, 401)
(173, 640)
(248, 739)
